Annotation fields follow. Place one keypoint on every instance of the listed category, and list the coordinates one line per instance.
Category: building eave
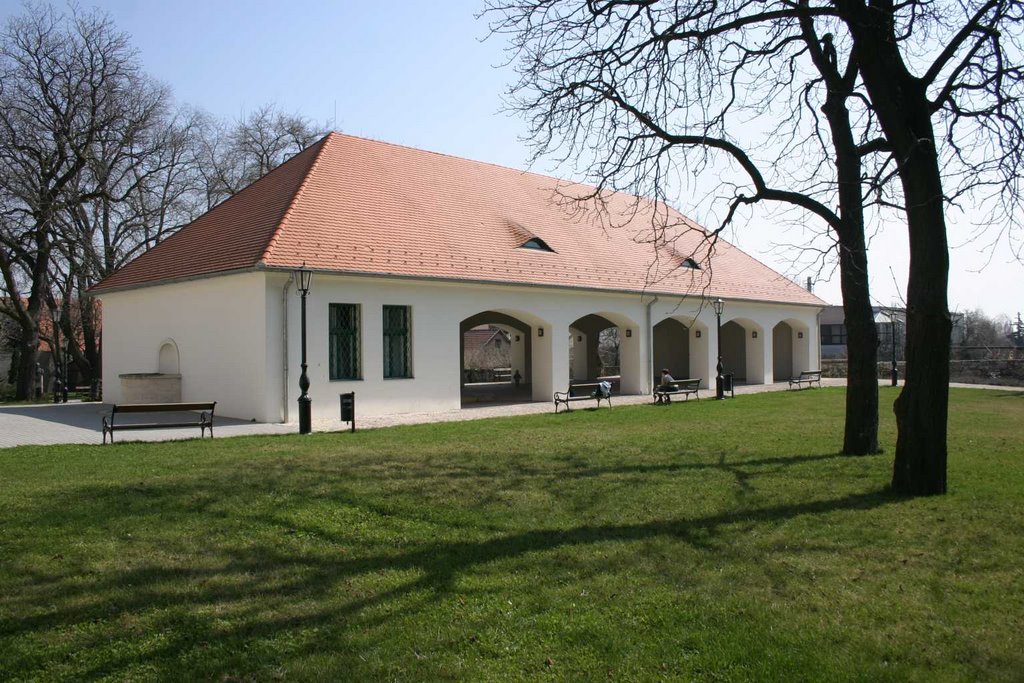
(262, 267)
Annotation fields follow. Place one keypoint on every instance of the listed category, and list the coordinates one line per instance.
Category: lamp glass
(719, 306)
(303, 277)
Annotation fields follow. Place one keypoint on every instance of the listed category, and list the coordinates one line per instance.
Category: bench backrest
(160, 407)
(589, 387)
(811, 373)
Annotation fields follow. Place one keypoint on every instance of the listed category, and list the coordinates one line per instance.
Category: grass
(714, 541)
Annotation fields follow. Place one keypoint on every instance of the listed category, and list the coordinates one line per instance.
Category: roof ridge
(295, 198)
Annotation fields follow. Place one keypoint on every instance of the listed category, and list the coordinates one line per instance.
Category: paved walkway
(76, 422)
(72, 423)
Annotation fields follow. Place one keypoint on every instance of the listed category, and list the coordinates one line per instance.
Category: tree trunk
(901, 103)
(922, 407)
(28, 354)
(861, 431)
(861, 435)
(90, 335)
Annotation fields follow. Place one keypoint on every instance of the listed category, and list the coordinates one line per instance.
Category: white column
(702, 356)
(759, 356)
(579, 355)
(631, 365)
(801, 351)
(550, 359)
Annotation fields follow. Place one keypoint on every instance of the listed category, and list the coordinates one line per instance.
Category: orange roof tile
(352, 205)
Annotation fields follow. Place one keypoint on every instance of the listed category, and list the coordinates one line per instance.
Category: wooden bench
(807, 377)
(663, 394)
(582, 392)
(204, 420)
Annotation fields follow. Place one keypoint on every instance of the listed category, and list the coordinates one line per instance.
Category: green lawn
(715, 541)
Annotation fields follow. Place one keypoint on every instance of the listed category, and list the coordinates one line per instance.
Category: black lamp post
(303, 278)
(66, 367)
(719, 306)
(56, 357)
(895, 372)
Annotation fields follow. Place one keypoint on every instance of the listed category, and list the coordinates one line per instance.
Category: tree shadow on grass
(258, 579)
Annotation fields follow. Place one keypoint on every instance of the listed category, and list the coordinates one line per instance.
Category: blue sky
(414, 73)
(420, 74)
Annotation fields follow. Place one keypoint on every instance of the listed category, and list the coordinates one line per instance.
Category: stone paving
(80, 423)
(76, 422)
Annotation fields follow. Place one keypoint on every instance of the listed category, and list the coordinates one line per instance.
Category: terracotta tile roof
(352, 205)
(475, 339)
(231, 236)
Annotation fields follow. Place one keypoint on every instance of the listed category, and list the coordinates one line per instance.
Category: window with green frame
(343, 341)
(397, 362)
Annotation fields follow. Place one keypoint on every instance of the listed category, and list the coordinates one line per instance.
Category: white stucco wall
(578, 342)
(437, 310)
(219, 327)
(233, 334)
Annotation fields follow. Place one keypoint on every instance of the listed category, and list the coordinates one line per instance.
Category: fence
(1003, 372)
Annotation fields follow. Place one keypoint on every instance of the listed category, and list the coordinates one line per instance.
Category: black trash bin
(348, 409)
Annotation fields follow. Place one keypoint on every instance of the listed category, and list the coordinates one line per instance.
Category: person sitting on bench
(666, 381)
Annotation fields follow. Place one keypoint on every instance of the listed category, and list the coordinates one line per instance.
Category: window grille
(343, 342)
(396, 342)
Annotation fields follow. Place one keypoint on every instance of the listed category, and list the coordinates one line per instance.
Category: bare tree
(935, 93)
(95, 168)
(64, 79)
(233, 156)
(981, 330)
(647, 92)
(945, 83)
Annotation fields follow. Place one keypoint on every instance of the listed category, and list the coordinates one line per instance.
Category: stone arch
(791, 349)
(586, 365)
(743, 345)
(168, 358)
(680, 343)
(529, 354)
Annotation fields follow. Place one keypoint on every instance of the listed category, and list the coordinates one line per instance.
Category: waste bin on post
(348, 409)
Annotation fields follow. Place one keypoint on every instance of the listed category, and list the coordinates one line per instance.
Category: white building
(409, 250)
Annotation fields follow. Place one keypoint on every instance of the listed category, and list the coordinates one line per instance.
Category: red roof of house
(475, 339)
(352, 205)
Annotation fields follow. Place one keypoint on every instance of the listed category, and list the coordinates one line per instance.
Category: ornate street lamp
(719, 306)
(56, 358)
(303, 278)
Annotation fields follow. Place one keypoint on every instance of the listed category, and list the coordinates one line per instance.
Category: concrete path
(73, 423)
(76, 422)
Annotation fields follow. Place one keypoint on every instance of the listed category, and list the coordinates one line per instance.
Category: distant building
(832, 328)
(833, 331)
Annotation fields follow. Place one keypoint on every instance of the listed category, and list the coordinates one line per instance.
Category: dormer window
(536, 243)
(689, 263)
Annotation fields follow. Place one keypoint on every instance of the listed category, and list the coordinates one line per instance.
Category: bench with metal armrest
(204, 420)
(808, 377)
(589, 391)
(664, 393)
